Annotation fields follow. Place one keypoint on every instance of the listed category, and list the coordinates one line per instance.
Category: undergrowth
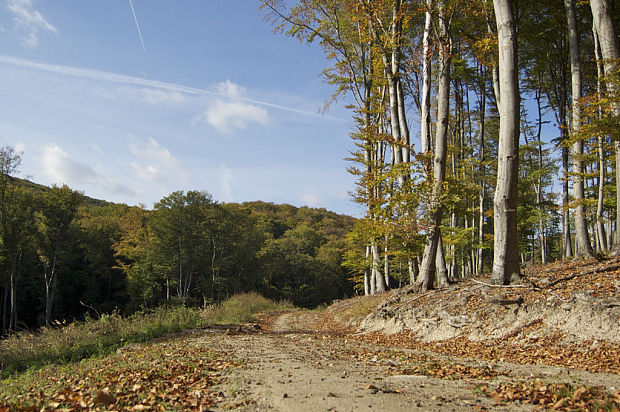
(97, 337)
(242, 308)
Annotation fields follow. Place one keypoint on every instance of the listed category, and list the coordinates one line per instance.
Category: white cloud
(229, 89)
(226, 116)
(59, 166)
(235, 114)
(155, 163)
(28, 21)
(62, 169)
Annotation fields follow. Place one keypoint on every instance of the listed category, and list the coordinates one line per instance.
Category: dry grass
(242, 308)
(80, 340)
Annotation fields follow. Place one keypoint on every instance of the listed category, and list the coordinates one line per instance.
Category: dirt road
(290, 366)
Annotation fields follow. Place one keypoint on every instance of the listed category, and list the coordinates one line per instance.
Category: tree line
(64, 255)
(477, 82)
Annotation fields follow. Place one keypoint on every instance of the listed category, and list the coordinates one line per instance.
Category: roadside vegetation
(63, 344)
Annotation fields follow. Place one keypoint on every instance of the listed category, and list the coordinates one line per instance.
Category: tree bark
(582, 238)
(481, 197)
(506, 246)
(378, 277)
(386, 264)
(542, 238)
(425, 111)
(439, 157)
(604, 26)
(366, 276)
(440, 264)
(414, 269)
(50, 290)
(602, 163)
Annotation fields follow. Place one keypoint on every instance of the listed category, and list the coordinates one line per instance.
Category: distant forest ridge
(36, 187)
(64, 255)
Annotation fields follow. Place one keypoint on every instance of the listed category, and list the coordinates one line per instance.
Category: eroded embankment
(566, 314)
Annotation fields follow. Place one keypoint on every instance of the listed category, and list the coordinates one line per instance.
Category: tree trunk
(15, 271)
(582, 238)
(414, 269)
(404, 128)
(567, 242)
(604, 26)
(378, 277)
(539, 198)
(506, 246)
(5, 305)
(481, 197)
(602, 163)
(440, 264)
(366, 275)
(495, 73)
(180, 283)
(439, 158)
(386, 264)
(50, 291)
(425, 111)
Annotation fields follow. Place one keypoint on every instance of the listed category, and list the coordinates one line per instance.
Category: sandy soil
(290, 366)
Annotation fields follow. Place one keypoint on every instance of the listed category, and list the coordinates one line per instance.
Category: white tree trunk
(439, 157)
(582, 238)
(366, 275)
(602, 163)
(425, 110)
(506, 246)
(376, 262)
(604, 26)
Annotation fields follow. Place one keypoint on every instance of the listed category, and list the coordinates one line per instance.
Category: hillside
(38, 188)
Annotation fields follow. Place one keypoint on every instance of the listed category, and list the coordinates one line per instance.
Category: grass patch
(242, 308)
(91, 337)
(80, 340)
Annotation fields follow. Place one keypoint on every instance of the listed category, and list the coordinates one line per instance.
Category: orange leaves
(452, 371)
(561, 397)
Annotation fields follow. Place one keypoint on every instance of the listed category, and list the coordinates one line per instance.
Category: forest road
(290, 366)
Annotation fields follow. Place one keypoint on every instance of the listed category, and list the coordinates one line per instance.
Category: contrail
(137, 25)
(137, 81)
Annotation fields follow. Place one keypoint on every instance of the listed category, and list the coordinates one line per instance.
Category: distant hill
(38, 188)
(284, 215)
(288, 216)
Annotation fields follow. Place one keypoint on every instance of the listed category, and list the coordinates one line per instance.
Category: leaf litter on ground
(169, 375)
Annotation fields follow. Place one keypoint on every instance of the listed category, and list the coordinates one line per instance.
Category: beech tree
(506, 246)
(439, 156)
(582, 239)
(606, 35)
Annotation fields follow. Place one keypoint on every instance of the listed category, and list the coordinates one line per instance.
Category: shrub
(241, 308)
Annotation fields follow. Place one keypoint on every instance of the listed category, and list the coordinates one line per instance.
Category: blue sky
(212, 100)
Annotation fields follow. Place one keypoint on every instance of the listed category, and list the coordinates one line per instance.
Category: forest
(516, 108)
(64, 255)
